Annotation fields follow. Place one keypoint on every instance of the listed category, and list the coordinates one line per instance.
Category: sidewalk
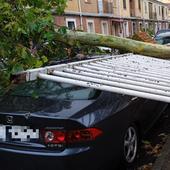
(163, 161)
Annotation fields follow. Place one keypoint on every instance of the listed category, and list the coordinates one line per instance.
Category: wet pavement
(155, 151)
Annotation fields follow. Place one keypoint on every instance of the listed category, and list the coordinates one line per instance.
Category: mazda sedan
(49, 125)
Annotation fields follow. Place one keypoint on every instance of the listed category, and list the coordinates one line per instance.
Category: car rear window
(42, 94)
(53, 90)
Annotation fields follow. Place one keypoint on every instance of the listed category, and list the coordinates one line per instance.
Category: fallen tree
(125, 44)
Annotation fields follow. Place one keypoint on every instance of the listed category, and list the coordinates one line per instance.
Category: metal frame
(128, 74)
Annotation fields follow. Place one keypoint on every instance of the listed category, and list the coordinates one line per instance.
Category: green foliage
(27, 35)
(150, 31)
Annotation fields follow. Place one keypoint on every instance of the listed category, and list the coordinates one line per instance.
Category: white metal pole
(145, 72)
(126, 73)
(112, 83)
(121, 80)
(106, 88)
(122, 75)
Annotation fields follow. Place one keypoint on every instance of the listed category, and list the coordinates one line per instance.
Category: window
(159, 10)
(71, 23)
(126, 29)
(90, 26)
(155, 8)
(124, 4)
(141, 26)
(155, 12)
(104, 27)
(100, 6)
(44, 95)
(134, 28)
(146, 8)
(139, 4)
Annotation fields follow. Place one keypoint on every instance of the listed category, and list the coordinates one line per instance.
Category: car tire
(130, 145)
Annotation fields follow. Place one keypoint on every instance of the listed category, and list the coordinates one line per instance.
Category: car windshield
(41, 94)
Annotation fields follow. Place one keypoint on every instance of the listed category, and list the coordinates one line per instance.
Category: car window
(163, 40)
(42, 94)
(52, 90)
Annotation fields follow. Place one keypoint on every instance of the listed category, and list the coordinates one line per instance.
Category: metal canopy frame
(128, 74)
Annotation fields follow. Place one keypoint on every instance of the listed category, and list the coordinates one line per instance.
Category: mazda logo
(9, 119)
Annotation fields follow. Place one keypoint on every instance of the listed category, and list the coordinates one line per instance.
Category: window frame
(102, 26)
(139, 5)
(90, 21)
(71, 20)
(124, 4)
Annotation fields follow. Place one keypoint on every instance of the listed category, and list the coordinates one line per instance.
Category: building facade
(114, 17)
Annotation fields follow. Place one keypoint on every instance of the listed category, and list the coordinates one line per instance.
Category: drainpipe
(81, 17)
(119, 12)
(143, 14)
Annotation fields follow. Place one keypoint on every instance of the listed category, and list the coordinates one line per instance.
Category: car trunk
(37, 114)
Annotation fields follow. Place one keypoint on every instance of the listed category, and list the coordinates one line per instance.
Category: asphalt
(163, 161)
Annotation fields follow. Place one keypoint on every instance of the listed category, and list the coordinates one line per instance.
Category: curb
(163, 161)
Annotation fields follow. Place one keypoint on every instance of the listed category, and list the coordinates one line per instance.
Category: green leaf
(27, 32)
(49, 36)
(44, 59)
(62, 30)
(24, 54)
(16, 68)
(38, 64)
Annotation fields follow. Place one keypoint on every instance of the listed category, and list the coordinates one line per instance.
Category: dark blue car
(49, 125)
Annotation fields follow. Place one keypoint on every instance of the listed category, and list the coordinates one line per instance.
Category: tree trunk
(128, 45)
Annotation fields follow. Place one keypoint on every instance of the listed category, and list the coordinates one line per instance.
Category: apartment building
(114, 17)
(155, 15)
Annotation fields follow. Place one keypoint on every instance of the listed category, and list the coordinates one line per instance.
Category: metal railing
(129, 74)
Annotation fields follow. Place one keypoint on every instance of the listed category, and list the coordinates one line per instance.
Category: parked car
(163, 37)
(49, 125)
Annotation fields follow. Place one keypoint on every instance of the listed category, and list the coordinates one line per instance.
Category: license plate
(18, 133)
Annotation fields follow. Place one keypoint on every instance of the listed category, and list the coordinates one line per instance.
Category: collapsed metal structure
(127, 74)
